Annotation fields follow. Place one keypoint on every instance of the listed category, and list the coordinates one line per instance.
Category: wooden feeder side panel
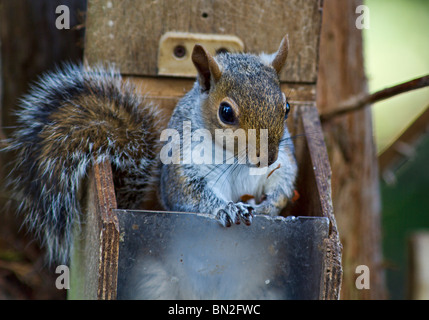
(96, 245)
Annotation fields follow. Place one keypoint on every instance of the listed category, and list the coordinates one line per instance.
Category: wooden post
(356, 195)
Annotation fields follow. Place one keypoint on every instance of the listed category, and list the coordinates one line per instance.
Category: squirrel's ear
(281, 55)
(206, 65)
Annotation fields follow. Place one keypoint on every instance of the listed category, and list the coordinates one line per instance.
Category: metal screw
(179, 51)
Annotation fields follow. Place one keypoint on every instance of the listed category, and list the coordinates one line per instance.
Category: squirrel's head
(242, 91)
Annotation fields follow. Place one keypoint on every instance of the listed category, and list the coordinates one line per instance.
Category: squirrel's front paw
(235, 213)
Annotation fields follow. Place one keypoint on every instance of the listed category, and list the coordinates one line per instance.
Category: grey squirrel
(75, 117)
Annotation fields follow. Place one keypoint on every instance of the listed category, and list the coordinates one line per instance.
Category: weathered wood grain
(322, 178)
(96, 246)
(349, 140)
(128, 32)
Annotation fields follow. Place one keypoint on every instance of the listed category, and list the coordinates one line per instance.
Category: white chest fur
(231, 181)
(228, 180)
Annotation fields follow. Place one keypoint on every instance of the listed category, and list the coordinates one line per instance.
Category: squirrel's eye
(287, 109)
(226, 113)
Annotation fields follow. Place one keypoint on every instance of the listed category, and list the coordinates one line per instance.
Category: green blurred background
(397, 50)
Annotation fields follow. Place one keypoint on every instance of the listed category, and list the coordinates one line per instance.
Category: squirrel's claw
(245, 213)
(224, 218)
(235, 213)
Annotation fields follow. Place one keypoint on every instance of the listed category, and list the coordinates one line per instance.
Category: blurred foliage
(396, 50)
(405, 210)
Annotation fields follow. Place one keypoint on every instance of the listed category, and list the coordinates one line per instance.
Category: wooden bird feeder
(150, 41)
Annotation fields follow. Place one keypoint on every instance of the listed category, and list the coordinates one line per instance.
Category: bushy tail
(70, 119)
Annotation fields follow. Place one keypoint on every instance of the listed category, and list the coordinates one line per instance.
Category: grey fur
(46, 185)
(254, 84)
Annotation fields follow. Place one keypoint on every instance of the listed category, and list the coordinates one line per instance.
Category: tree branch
(360, 101)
